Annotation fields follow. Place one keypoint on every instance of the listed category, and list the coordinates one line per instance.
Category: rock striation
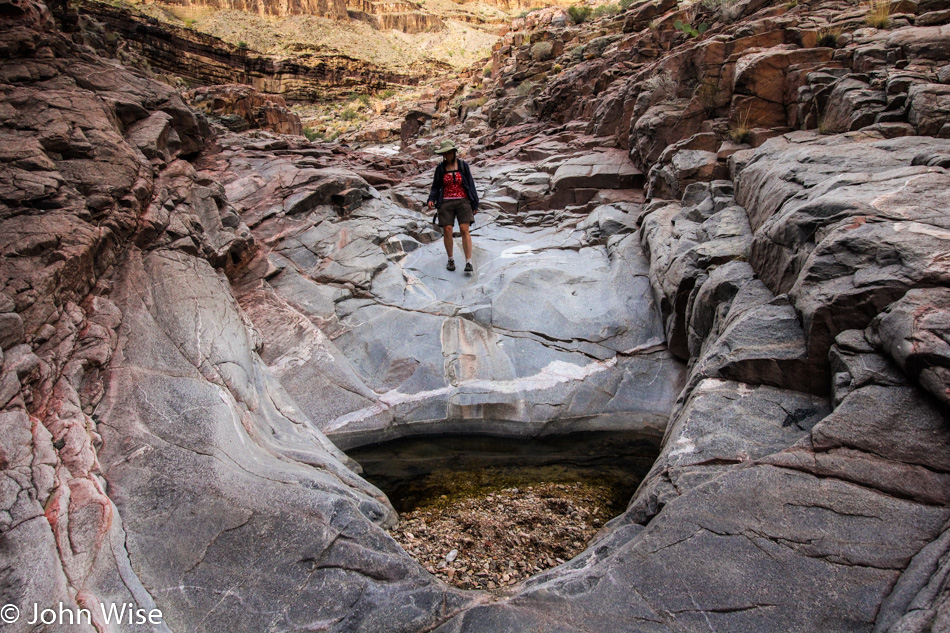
(240, 107)
(328, 8)
(401, 16)
(174, 53)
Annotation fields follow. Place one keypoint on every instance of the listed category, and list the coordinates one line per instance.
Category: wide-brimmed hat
(446, 146)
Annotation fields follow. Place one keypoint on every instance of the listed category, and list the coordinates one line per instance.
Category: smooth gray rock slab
(555, 330)
(725, 422)
(206, 458)
(795, 534)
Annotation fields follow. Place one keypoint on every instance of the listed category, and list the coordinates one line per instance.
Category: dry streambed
(491, 539)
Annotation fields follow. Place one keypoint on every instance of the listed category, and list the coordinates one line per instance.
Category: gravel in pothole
(489, 541)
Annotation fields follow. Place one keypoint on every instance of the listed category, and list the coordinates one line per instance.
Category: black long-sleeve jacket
(468, 184)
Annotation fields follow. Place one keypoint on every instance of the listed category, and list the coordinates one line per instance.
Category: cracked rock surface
(556, 329)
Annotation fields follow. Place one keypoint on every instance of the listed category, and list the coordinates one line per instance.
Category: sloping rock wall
(207, 60)
(149, 453)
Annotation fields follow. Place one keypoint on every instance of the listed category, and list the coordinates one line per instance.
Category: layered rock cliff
(329, 8)
(401, 16)
(185, 54)
(193, 323)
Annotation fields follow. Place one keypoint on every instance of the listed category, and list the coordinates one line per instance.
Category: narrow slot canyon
(698, 379)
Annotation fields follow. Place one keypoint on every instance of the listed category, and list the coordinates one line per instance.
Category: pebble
(503, 536)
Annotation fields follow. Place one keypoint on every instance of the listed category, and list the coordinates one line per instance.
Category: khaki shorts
(458, 209)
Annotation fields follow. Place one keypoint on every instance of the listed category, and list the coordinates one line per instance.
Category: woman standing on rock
(453, 194)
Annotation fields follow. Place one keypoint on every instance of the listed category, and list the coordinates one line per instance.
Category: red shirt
(452, 186)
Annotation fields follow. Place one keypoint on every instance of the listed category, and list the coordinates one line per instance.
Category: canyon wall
(205, 60)
(400, 16)
(149, 455)
(278, 8)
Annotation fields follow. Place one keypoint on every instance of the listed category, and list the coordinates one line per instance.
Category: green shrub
(242, 45)
(487, 71)
(663, 86)
(606, 9)
(741, 130)
(706, 93)
(689, 29)
(542, 51)
(348, 114)
(524, 88)
(312, 134)
(828, 37)
(557, 68)
(386, 94)
(189, 24)
(578, 13)
(626, 4)
(363, 99)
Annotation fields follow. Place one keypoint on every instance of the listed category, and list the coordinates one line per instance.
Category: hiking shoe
(468, 267)
(450, 265)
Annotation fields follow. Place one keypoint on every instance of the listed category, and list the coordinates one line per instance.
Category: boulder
(913, 330)
(926, 42)
(813, 237)
(609, 169)
(856, 363)
(928, 109)
(660, 126)
(851, 105)
(155, 137)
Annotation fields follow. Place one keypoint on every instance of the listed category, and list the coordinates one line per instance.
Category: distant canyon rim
(718, 226)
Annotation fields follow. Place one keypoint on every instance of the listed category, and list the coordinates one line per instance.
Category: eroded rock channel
(484, 512)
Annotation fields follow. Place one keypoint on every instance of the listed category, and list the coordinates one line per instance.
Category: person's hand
(431, 204)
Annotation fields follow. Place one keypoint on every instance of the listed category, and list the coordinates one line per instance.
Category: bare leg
(447, 239)
(466, 241)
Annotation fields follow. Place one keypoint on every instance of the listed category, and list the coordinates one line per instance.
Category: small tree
(606, 9)
(578, 13)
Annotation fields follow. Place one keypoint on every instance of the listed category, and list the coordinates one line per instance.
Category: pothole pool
(485, 512)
